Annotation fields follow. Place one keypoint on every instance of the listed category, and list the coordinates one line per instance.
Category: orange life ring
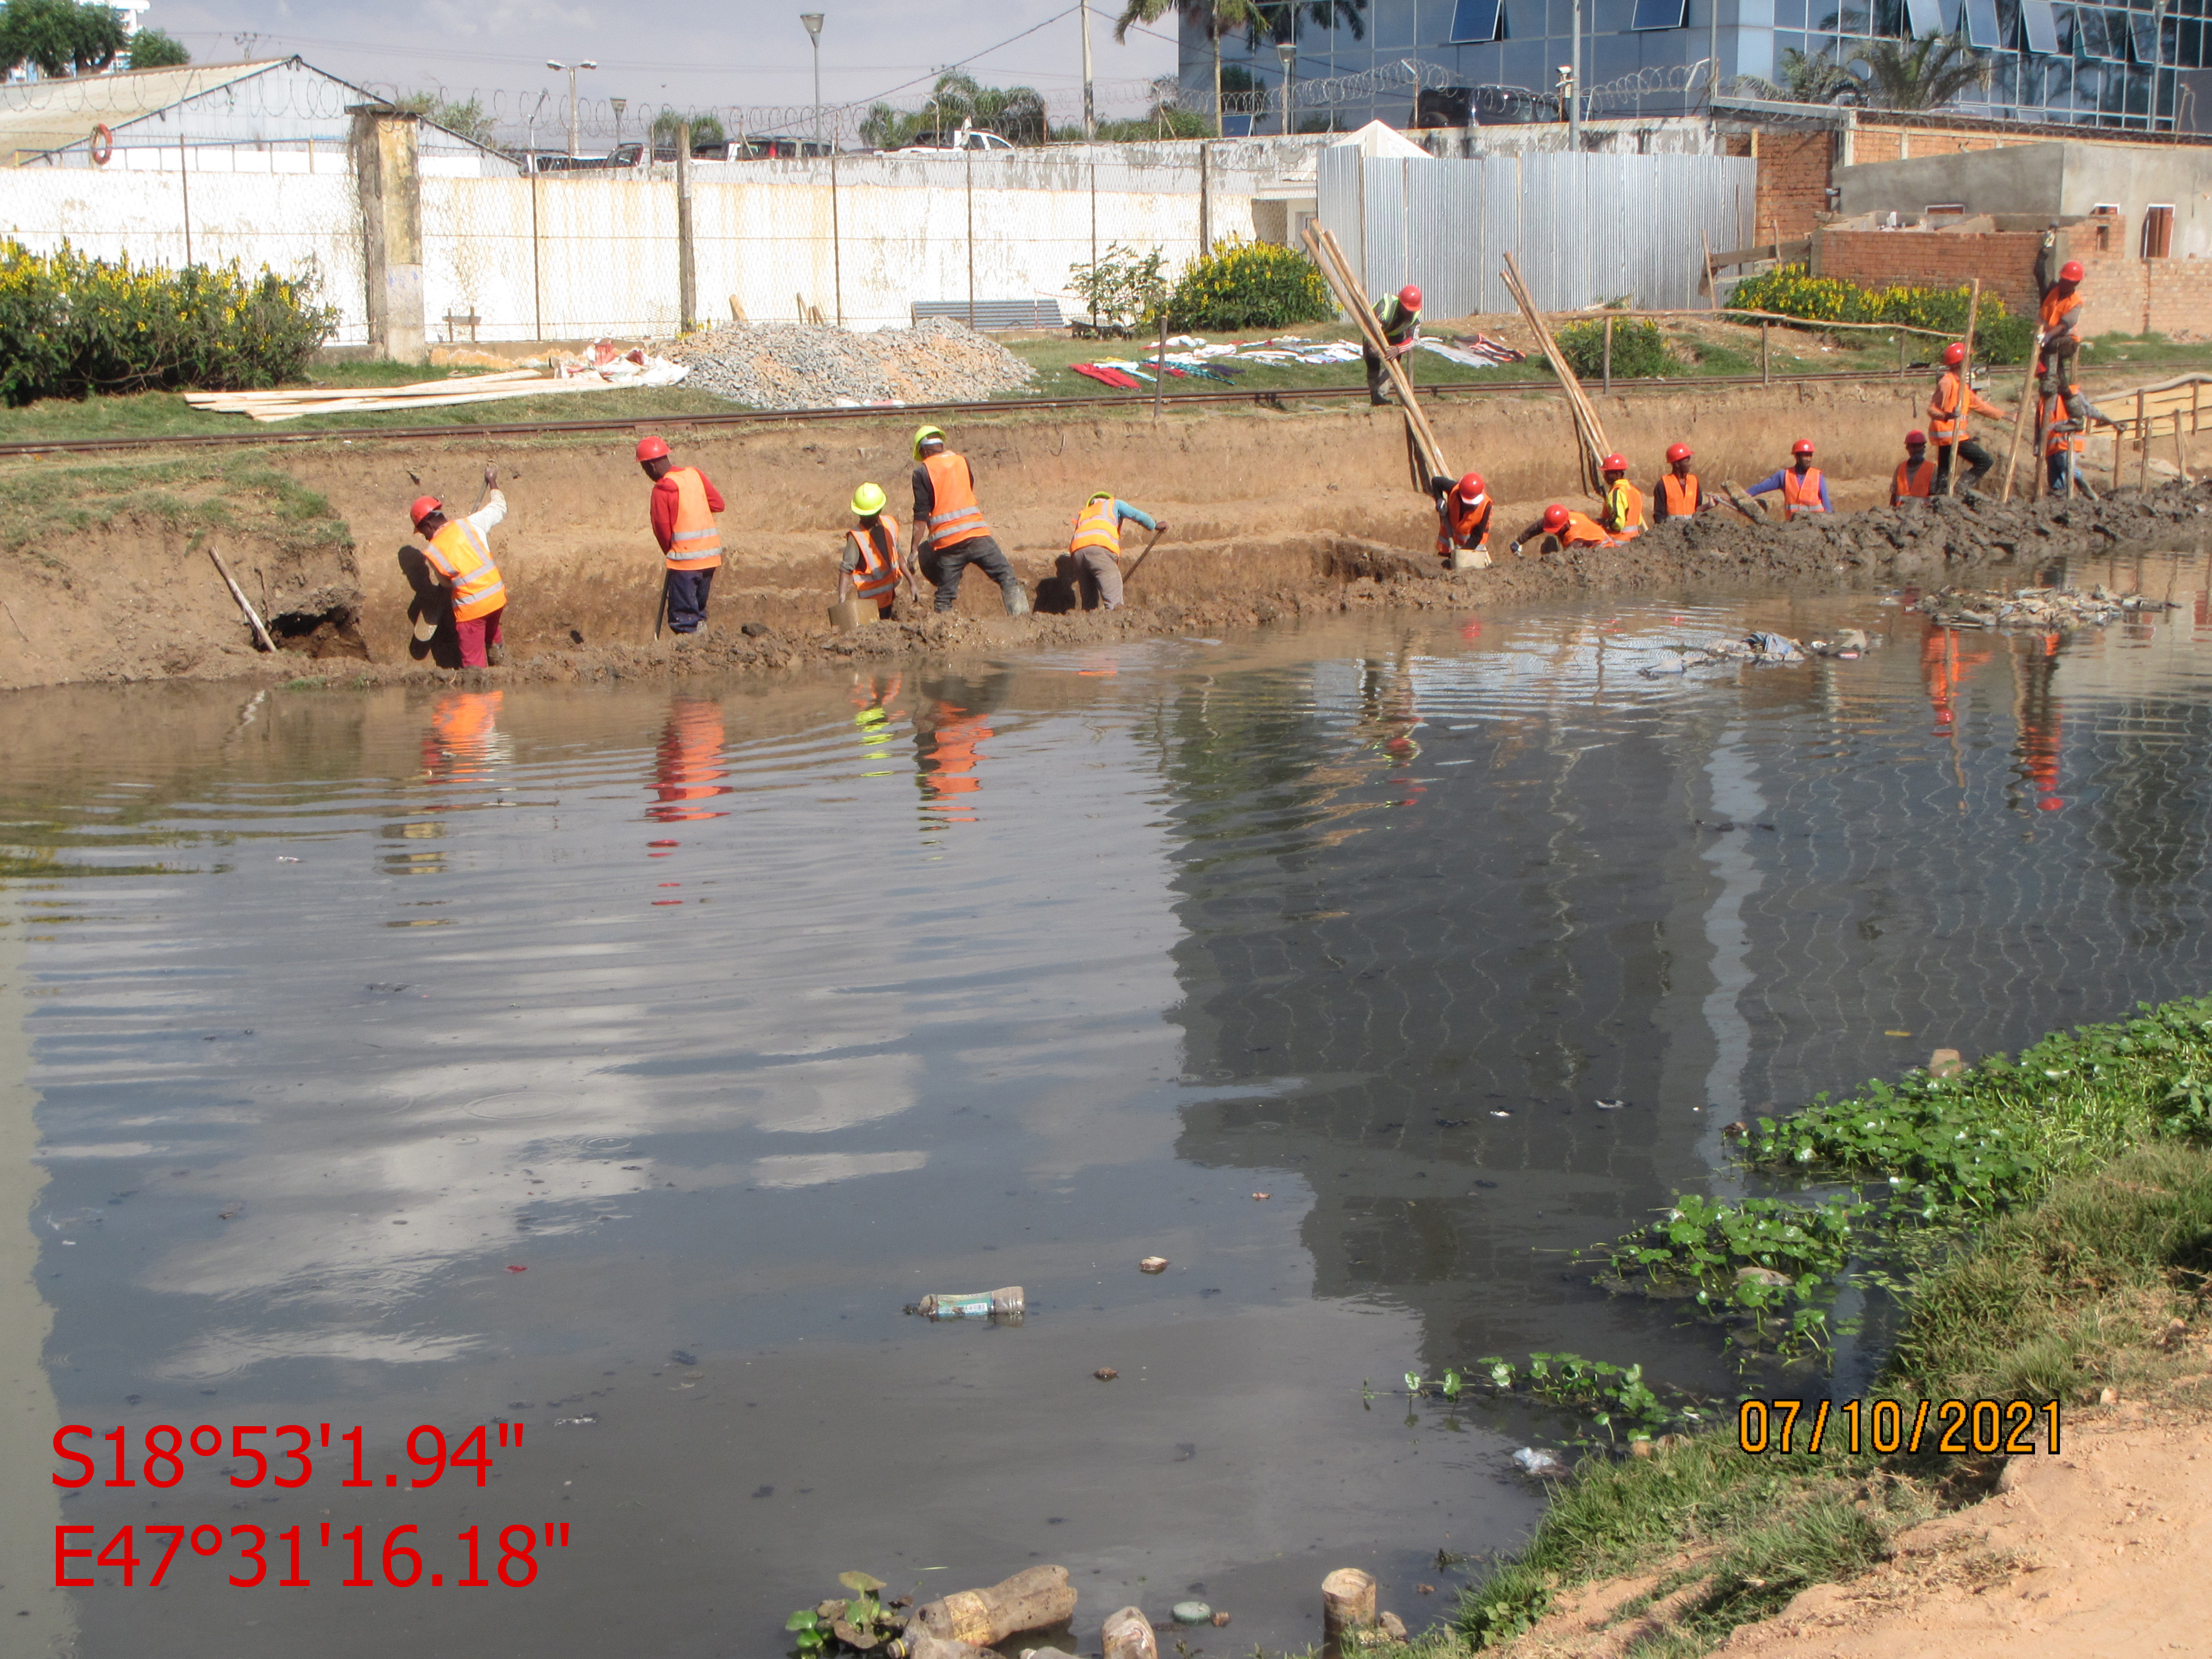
(103, 145)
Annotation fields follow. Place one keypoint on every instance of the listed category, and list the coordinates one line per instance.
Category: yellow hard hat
(868, 499)
(1098, 496)
(922, 434)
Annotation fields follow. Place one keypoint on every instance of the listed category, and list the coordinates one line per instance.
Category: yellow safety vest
(459, 553)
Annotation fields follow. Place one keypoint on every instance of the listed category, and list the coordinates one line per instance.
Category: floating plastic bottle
(1004, 1306)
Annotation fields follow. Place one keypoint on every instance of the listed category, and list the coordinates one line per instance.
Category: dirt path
(2104, 1552)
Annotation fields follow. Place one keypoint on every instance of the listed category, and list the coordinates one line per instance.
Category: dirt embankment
(1272, 513)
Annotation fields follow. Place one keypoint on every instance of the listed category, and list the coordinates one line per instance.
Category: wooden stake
(2180, 460)
(1765, 350)
(1347, 1602)
(2143, 447)
(1712, 295)
(2021, 422)
(244, 603)
(1160, 363)
(12, 617)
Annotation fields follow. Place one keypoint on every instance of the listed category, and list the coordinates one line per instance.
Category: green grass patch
(228, 492)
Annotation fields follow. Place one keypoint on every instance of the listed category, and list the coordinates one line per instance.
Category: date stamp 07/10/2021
(1954, 1428)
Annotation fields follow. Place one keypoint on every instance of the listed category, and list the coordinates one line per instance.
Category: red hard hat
(1614, 463)
(1677, 452)
(1410, 297)
(1916, 439)
(1555, 517)
(1802, 446)
(652, 449)
(1955, 354)
(424, 507)
(2071, 271)
(1470, 487)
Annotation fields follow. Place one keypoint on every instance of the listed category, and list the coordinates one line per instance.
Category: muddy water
(614, 1065)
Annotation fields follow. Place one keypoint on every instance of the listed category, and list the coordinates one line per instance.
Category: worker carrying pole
(1094, 548)
(950, 533)
(1399, 317)
(458, 553)
(1947, 410)
(683, 507)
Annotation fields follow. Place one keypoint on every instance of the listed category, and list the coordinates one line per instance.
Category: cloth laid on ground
(1475, 351)
(1107, 376)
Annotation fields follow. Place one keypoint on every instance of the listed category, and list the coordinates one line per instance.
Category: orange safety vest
(697, 544)
(1462, 525)
(1679, 496)
(876, 578)
(1582, 531)
(955, 518)
(1800, 494)
(458, 554)
(1624, 504)
(2056, 307)
(1947, 410)
(2057, 443)
(1097, 526)
(1912, 479)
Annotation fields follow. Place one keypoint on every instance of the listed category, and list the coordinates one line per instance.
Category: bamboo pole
(2142, 446)
(2021, 423)
(1321, 243)
(1588, 427)
(244, 603)
(1160, 363)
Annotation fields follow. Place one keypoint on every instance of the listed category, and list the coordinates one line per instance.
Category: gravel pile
(2037, 608)
(812, 366)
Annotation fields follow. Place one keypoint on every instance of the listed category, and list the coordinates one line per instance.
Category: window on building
(2089, 33)
(2041, 19)
(2157, 233)
(2105, 222)
(1663, 14)
(1982, 24)
(1476, 20)
(1924, 17)
(2143, 37)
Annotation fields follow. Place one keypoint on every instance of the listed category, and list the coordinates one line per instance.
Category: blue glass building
(2129, 67)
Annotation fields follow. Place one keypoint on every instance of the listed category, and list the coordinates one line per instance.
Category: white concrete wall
(288, 222)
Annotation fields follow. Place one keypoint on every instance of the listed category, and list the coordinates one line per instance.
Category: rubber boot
(1017, 597)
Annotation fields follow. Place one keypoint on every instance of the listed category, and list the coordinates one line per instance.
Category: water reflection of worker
(871, 697)
(2037, 715)
(687, 766)
(945, 742)
(463, 741)
(1944, 668)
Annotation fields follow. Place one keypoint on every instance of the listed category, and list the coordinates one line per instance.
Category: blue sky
(684, 53)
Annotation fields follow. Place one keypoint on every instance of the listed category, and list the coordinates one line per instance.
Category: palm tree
(1216, 17)
(1816, 78)
(1015, 113)
(1924, 73)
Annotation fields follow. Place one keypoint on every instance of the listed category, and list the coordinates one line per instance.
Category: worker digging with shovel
(458, 554)
(1092, 562)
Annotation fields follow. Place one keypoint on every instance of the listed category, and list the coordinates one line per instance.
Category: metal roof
(37, 116)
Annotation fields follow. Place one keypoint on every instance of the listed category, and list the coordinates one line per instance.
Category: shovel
(1131, 575)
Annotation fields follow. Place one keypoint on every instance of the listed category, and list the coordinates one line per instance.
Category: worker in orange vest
(1803, 489)
(1947, 420)
(868, 567)
(1915, 474)
(1094, 548)
(2057, 324)
(1677, 494)
(1622, 512)
(1572, 528)
(458, 553)
(2059, 430)
(1462, 520)
(950, 533)
(683, 507)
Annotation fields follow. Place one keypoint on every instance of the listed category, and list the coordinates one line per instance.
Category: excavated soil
(1273, 515)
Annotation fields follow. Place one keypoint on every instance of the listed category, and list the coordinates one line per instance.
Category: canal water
(608, 1068)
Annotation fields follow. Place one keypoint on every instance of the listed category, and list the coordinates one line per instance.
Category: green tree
(706, 129)
(151, 49)
(1216, 17)
(1815, 78)
(58, 37)
(1015, 113)
(1922, 73)
(464, 116)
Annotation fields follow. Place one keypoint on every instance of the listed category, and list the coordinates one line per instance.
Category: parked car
(971, 139)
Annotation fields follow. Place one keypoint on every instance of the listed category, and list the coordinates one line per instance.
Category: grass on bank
(222, 492)
(2084, 1166)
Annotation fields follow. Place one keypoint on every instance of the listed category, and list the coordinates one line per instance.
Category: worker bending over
(1572, 528)
(1622, 516)
(1463, 520)
(1947, 420)
(1915, 474)
(459, 552)
(2059, 433)
(1094, 550)
(950, 533)
(1677, 495)
(684, 508)
(868, 564)
(1803, 489)
(1399, 317)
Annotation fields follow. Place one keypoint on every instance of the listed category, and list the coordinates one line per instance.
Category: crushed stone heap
(814, 366)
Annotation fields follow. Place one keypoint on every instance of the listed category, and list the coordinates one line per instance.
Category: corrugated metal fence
(1585, 228)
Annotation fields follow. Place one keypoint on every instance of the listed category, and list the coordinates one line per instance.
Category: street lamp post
(582, 63)
(1090, 113)
(619, 105)
(813, 22)
(1286, 51)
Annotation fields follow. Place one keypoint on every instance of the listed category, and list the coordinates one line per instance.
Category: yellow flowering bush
(1249, 285)
(1789, 291)
(71, 324)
